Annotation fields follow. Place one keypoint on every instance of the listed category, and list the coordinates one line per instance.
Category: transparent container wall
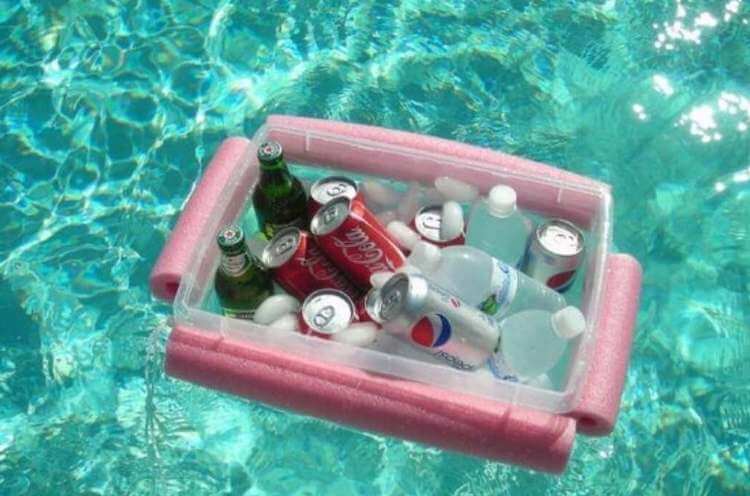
(196, 304)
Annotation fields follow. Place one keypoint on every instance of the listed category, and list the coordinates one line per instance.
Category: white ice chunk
(379, 194)
(378, 279)
(405, 236)
(287, 323)
(357, 334)
(455, 190)
(274, 307)
(452, 223)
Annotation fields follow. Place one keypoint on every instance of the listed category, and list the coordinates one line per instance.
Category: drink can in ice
(368, 306)
(300, 267)
(355, 240)
(436, 321)
(326, 313)
(324, 190)
(427, 224)
(554, 254)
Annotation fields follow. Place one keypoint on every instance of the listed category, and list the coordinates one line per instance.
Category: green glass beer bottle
(279, 198)
(241, 283)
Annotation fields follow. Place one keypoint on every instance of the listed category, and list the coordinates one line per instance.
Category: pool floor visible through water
(109, 113)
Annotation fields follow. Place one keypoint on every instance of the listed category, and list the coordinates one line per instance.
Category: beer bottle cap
(270, 152)
(231, 240)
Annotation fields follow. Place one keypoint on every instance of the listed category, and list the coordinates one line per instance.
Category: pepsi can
(436, 321)
(554, 254)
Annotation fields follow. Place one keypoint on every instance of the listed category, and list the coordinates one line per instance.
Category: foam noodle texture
(405, 409)
(401, 408)
(599, 403)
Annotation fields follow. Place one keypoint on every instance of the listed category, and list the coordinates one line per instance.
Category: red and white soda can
(427, 224)
(326, 313)
(300, 267)
(324, 190)
(367, 307)
(355, 240)
(554, 254)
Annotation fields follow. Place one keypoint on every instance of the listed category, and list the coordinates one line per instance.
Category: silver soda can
(324, 190)
(436, 321)
(326, 313)
(554, 254)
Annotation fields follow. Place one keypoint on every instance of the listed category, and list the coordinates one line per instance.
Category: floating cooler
(457, 410)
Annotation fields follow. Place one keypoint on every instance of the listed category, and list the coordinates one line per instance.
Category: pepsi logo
(431, 331)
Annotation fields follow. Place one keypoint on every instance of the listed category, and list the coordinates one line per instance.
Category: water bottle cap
(425, 256)
(568, 322)
(502, 200)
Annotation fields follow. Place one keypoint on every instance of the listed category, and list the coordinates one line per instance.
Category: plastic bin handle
(191, 225)
(600, 398)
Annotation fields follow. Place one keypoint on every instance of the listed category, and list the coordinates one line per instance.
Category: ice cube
(287, 323)
(274, 307)
(452, 222)
(379, 195)
(357, 334)
(455, 190)
(405, 236)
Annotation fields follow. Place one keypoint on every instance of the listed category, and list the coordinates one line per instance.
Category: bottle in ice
(240, 282)
(497, 227)
(483, 281)
(532, 342)
(279, 197)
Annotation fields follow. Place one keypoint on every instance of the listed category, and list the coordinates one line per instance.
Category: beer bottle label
(503, 287)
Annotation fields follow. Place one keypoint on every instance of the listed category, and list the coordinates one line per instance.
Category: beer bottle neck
(274, 171)
(235, 264)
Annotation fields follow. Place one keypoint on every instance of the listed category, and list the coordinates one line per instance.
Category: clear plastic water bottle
(483, 281)
(497, 227)
(532, 342)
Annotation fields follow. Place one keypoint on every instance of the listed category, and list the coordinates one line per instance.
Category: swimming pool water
(110, 110)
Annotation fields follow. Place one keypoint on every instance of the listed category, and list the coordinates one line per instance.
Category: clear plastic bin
(315, 147)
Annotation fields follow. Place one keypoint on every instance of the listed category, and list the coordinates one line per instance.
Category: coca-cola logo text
(359, 249)
(321, 268)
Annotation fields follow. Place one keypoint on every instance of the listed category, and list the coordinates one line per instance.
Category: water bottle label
(502, 289)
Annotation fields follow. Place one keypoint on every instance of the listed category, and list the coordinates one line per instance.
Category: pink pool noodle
(222, 364)
(360, 399)
(600, 398)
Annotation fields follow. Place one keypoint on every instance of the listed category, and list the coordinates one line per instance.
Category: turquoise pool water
(110, 110)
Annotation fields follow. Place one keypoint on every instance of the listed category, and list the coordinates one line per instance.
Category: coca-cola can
(324, 190)
(438, 322)
(300, 267)
(367, 307)
(427, 224)
(355, 240)
(326, 313)
(554, 254)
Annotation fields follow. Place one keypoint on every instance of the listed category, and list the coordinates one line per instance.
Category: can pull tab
(324, 316)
